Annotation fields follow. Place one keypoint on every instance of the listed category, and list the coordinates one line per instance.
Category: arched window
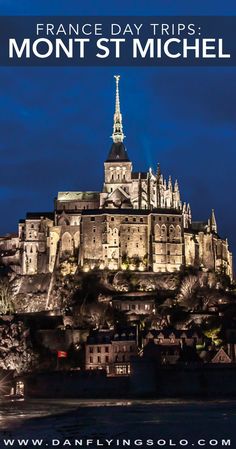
(67, 243)
(171, 232)
(178, 231)
(77, 239)
(157, 231)
(163, 231)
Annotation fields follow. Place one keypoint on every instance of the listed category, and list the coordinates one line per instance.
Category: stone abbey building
(136, 222)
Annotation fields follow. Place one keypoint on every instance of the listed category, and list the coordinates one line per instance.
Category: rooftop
(39, 215)
(81, 196)
(118, 153)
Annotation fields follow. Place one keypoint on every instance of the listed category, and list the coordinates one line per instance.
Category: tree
(211, 329)
(16, 351)
(6, 298)
(187, 296)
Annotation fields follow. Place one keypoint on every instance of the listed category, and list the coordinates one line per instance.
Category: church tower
(117, 167)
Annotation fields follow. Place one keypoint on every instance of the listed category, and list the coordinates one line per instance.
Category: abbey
(137, 222)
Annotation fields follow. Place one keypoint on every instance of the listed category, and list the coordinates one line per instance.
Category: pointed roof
(118, 153)
(213, 221)
(221, 357)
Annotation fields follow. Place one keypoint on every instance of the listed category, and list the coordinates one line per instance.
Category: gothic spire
(213, 221)
(158, 187)
(117, 135)
(176, 186)
(158, 171)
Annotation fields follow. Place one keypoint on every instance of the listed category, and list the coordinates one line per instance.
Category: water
(168, 421)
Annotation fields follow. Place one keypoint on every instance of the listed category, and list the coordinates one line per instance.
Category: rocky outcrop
(30, 292)
(16, 352)
(131, 281)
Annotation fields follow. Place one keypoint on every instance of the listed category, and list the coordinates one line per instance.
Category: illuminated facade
(137, 222)
(111, 351)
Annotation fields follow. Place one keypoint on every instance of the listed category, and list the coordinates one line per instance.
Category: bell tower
(117, 167)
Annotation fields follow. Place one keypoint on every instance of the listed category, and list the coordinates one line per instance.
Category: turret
(213, 222)
(176, 187)
(159, 182)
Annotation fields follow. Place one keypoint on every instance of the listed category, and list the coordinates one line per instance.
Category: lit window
(20, 388)
(121, 369)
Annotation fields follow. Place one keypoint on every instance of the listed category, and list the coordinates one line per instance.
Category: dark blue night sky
(55, 123)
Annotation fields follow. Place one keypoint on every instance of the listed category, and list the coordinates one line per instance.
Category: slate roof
(118, 153)
(161, 211)
(38, 215)
(178, 333)
(198, 225)
(107, 336)
(143, 175)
